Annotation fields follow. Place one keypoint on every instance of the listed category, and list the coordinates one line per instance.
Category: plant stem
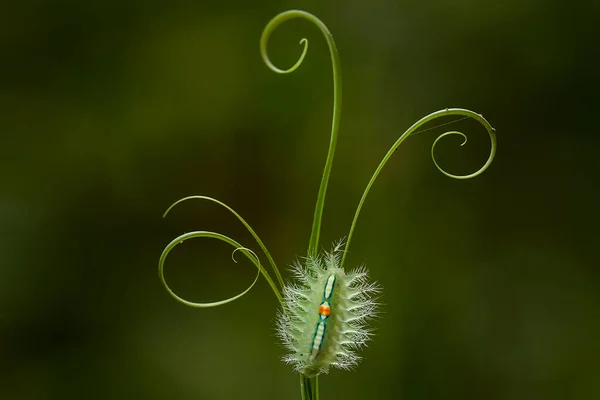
(309, 387)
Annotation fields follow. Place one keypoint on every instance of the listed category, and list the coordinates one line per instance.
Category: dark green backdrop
(110, 111)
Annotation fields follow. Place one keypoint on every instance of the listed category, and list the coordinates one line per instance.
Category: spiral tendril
(247, 252)
(337, 103)
(251, 255)
(414, 129)
(243, 221)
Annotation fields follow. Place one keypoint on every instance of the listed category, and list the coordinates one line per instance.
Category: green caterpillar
(324, 316)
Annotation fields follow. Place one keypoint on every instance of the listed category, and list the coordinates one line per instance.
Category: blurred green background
(110, 111)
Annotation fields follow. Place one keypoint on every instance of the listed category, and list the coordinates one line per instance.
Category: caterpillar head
(324, 318)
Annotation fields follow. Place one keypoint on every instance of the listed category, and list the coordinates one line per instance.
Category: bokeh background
(110, 111)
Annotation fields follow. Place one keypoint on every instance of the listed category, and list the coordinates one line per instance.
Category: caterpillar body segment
(324, 310)
(318, 338)
(328, 291)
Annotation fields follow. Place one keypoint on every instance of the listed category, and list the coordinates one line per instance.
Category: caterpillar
(323, 320)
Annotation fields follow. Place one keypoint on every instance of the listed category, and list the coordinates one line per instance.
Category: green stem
(313, 244)
(442, 113)
(309, 387)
